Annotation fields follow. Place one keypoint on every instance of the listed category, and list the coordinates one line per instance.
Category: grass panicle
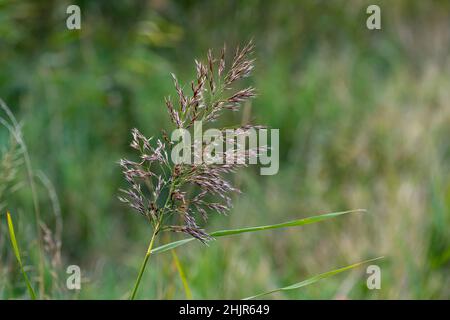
(173, 196)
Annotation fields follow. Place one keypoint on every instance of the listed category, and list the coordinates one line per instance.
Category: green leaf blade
(313, 279)
(171, 245)
(293, 223)
(182, 274)
(12, 236)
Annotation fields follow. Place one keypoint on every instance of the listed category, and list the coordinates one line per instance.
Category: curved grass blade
(313, 279)
(294, 223)
(180, 269)
(171, 245)
(15, 247)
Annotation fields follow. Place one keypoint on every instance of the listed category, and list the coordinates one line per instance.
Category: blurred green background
(364, 121)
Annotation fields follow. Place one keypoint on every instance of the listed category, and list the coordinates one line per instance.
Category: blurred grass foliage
(364, 121)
